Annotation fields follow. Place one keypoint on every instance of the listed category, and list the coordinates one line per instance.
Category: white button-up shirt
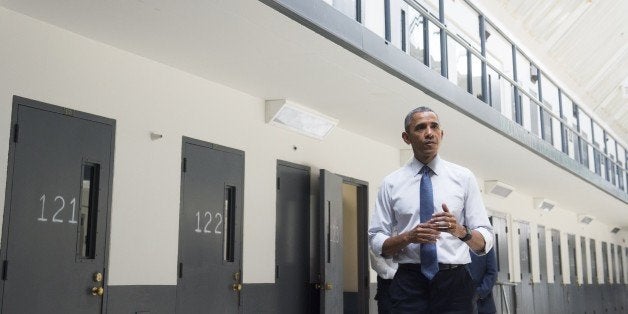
(398, 203)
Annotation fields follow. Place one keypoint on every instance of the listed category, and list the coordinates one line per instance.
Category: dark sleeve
(490, 277)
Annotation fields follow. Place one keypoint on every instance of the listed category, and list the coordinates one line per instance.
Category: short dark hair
(406, 122)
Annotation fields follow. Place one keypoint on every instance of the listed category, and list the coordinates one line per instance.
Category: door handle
(236, 287)
(98, 291)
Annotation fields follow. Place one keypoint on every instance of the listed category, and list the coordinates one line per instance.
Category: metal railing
(614, 169)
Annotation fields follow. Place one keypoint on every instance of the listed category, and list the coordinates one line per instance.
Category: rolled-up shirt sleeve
(382, 220)
(476, 217)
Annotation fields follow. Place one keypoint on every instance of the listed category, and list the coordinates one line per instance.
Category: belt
(441, 266)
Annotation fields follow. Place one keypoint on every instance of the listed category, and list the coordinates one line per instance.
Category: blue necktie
(429, 261)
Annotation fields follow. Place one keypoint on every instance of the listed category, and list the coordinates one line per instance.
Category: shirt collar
(435, 165)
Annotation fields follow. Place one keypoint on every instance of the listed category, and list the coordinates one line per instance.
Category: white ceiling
(585, 43)
(250, 47)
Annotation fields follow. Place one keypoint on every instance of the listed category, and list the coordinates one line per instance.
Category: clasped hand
(429, 232)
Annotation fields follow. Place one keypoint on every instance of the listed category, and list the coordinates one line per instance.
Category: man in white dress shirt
(459, 223)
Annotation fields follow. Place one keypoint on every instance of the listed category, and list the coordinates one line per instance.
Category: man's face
(425, 135)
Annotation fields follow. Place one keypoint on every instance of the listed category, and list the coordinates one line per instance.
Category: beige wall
(55, 66)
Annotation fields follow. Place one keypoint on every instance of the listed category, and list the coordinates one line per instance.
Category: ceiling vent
(498, 188)
(585, 219)
(297, 118)
(543, 204)
(615, 230)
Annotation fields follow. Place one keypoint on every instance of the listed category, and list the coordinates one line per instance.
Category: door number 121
(61, 203)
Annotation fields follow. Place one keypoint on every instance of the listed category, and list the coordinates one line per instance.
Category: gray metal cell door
(330, 240)
(503, 293)
(585, 265)
(292, 241)
(541, 301)
(620, 262)
(593, 250)
(55, 221)
(556, 295)
(210, 229)
(524, 300)
(607, 274)
(571, 248)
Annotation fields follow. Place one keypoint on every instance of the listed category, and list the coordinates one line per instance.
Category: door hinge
(276, 271)
(180, 272)
(506, 229)
(16, 131)
(184, 166)
(278, 183)
(518, 231)
(5, 268)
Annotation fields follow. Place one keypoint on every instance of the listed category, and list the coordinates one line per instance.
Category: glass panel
(527, 75)
(610, 144)
(434, 38)
(557, 135)
(396, 26)
(430, 5)
(374, 16)
(621, 175)
(498, 51)
(88, 212)
(598, 142)
(457, 63)
(462, 20)
(546, 125)
(416, 40)
(570, 117)
(347, 7)
(525, 111)
(229, 224)
(550, 101)
(500, 93)
(476, 76)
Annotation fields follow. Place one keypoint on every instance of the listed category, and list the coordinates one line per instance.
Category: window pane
(500, 93)
(347, 7)
(88, 212)
(415, 39)
(374, 16)
(498, 51)
(434, 34)
(229, 225)
(476, 76)
(457, 63)
(396, 26)
(462, 20)
(527, 75)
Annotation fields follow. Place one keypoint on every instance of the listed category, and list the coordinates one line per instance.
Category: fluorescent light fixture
(543, 204)
(498, 188)
(585, 219)
(285, 114)
(615, 230)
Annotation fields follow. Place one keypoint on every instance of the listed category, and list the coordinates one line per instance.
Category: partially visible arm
(490, 277)
(476, 218)
(382, 220)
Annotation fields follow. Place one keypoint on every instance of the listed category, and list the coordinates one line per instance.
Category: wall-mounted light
(615, 230)
(544, 204)
(498, 188)
(285, 114)
(585, 219)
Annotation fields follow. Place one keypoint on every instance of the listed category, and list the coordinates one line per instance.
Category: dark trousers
(382, 296)
(450, 291)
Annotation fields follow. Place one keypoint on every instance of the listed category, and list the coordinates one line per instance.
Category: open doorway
(343, 244)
